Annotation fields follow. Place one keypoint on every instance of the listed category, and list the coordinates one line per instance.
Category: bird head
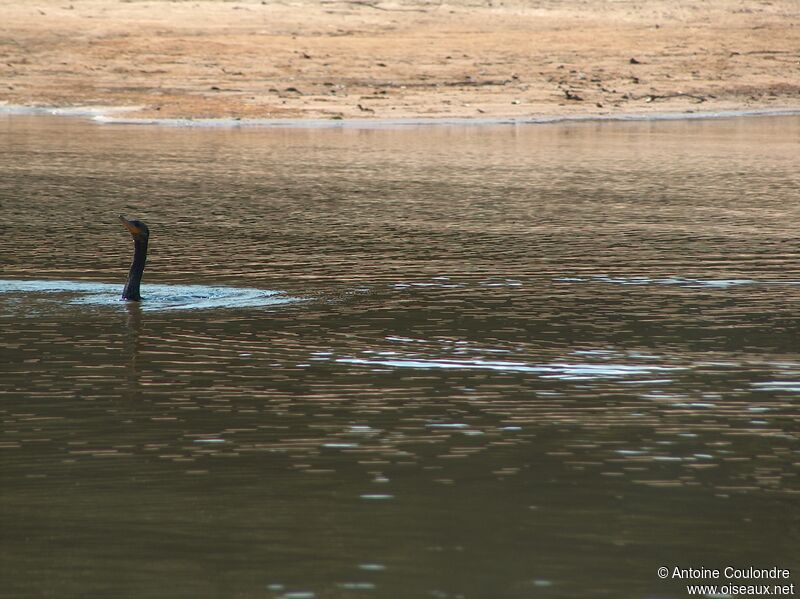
(136, 228)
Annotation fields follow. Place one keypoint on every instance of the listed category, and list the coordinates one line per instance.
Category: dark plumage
(140, 234)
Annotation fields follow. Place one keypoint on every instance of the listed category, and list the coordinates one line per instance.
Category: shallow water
(475, 362)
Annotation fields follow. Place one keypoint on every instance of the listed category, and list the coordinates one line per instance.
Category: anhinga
(140, 234)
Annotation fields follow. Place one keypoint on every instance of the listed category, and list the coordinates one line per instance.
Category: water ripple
(679, 281)
(570, 371)
(157, 297)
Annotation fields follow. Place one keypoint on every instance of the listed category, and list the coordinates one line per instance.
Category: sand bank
(364, 59)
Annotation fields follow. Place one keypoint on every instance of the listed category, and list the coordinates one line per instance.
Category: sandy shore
(332, 59)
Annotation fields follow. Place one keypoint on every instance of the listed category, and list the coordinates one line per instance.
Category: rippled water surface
(449, 362)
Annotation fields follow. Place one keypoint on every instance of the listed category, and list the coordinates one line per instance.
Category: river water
(448, 362)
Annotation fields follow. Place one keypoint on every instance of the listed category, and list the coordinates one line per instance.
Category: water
(478, 362)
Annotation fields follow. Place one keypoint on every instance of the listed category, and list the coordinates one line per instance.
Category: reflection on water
(529, 362)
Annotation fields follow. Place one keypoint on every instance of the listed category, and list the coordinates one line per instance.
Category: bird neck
(131, 291)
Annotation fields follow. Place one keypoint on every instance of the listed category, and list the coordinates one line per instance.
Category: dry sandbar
(394, 60)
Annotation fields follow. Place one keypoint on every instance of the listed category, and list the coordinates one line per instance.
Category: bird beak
(134, 230)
